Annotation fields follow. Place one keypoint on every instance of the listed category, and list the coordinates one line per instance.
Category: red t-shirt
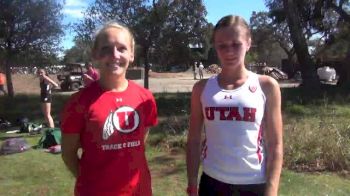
(112, 127)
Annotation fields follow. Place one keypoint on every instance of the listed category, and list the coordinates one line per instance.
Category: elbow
(278, 154)
(276, 150)
(69, 155)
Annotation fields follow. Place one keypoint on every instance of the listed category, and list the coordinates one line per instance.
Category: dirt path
(158, 82)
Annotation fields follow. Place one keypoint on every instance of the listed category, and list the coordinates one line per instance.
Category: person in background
(200, 70)
(240, 111)
(91, 74)
(109, 121)
(2, 82)
(46, 84)
(194, 70)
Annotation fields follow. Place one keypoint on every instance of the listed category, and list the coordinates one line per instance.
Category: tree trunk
(146, 78)
(307, 66)
(10, 90)
(344, 71)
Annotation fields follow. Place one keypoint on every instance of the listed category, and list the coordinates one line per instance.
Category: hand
(192, 191)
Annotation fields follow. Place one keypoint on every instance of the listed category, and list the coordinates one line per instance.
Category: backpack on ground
(14, 145)
(31, 128)
(51, 137)
(4, 124)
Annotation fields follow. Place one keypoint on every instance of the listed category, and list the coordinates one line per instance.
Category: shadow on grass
(169, 164)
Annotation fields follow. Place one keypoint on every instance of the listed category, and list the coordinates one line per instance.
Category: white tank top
(233, 149)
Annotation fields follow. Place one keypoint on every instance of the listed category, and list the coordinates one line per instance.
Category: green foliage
(163, 29)
(271, 40)
(30, 26)
(313, 184)
(317, 143)
(30, 33)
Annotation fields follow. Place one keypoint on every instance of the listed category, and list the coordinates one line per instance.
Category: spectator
(91, 74)
(46, 84)
(200, 70)
(2, 82)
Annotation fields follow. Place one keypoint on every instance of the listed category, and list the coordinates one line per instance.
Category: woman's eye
(236, 45)
(122, 49)
(222, 47)
(106, 50)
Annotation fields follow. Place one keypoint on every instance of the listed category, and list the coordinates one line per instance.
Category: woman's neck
(231, 78)
(117, 84)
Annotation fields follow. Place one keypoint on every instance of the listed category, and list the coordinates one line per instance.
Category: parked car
(326, 73)
(72, 77)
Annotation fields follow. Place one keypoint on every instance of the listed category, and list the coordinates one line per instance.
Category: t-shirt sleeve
(151, 112)
(72, 116)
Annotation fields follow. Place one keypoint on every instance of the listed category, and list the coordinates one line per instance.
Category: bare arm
(273, 134)
(87, 77)
(50, 81)
(70, 145)
(194, 135)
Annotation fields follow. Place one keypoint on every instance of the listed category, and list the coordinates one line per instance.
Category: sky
(215, 10)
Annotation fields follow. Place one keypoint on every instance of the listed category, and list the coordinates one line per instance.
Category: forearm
(72, 162)
(49, 80)
(273, 170)
(193, 161)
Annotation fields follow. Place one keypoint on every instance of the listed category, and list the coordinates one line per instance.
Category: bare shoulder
(199, 86)
(268, 84)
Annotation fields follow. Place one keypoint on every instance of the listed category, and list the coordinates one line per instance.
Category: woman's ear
(132, 57)
(249, 43)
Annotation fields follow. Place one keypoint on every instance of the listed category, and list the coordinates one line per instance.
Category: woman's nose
(116, 53)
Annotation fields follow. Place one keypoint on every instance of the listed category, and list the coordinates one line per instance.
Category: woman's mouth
(115, 65)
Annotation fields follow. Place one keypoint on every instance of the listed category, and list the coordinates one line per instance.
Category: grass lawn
(316, 130)
(39, 173)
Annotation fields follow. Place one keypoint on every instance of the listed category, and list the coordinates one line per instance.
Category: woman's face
(114, 53)
(41, 72)
(231, 44)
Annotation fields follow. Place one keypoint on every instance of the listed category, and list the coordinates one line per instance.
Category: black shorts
(45, 99)
(209, 186)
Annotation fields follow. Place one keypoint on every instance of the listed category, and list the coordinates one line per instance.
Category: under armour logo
(118, 99)
(228, 97)
(252, 89)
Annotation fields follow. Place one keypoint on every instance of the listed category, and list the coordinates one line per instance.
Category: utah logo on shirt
(124, 119)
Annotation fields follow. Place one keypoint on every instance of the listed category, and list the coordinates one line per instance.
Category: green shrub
(317, 143)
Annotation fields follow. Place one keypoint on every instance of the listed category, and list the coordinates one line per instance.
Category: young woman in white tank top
(240, 113)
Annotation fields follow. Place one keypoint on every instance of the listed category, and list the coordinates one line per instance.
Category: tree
(80, 52)
(308, 68)
(270, 38)
(326, 18)
(29, 29)
(163, 29)
(296, 14)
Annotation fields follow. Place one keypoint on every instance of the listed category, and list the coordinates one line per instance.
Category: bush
(317, 143)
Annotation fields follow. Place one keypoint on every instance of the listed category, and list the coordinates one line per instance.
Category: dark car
(72, 77)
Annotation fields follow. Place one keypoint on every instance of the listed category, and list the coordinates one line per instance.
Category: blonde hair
(112, 25)
(234, 21)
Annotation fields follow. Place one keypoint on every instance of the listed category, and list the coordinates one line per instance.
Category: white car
(326, 73)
